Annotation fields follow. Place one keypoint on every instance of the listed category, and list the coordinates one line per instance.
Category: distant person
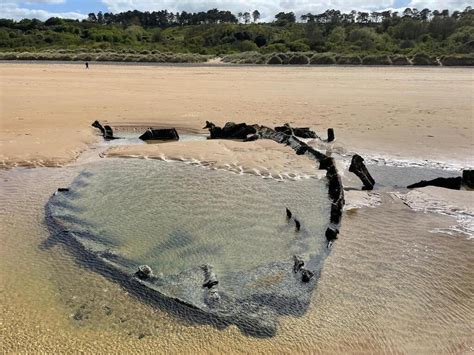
(87, 65)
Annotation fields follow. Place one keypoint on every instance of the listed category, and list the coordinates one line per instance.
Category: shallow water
(389, 285)
(174, 217)
(388, 177)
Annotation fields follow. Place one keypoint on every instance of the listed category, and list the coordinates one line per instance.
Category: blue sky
(44, 9)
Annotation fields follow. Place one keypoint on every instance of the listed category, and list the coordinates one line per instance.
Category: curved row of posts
(287, 135)
(254, 310)
(335, 189)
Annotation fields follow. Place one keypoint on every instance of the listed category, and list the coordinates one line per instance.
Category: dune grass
(249, 58)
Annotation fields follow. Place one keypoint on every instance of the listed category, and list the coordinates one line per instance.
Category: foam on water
(445, 202)
(338, 149)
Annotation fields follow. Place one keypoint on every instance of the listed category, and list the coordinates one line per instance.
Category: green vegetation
(414, 37)
(99, 55)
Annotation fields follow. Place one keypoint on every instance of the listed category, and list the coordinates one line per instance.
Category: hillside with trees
(242, 38)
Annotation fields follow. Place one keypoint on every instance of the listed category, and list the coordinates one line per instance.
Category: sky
(78, 9)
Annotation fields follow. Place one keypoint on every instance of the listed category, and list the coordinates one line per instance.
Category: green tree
(157, 35)
(53, 21)
(442, 27)
(256, 16)
(364, 38)
(284, 18)
(92, 17)
(337, 37)
(135, 32)
(409, 29)
(314, 36)
(246, 17)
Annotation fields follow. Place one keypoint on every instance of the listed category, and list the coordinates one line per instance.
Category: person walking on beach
(87, 65)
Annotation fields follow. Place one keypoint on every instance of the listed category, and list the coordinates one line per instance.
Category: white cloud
(440, 4)
(13, 10)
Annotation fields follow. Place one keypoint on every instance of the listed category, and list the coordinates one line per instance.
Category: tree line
(217, 32)
(165, 18)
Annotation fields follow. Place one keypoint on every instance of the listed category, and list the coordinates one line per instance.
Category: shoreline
(219, 64)
(156, 151)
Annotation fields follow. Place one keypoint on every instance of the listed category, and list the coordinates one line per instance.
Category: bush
(67, 55)
(63, 57)
(376, 60)
(245, 58)
(8, 56)
(131, 58)
(275, 47)
(298, 46)
(349, 60)
(157, 36)
(83, 57)
(423, 59)
(246, 46)
(364, 38)
(323, 58)
(253, 59)
(299, 59)
(26, 56)
(285, 59)
(260, 41)
(457, 60)
(144, 59)
(43, 56)
(407, 44)
(275, 60)
(400, 60)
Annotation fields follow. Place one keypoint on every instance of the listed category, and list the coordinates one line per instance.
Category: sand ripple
(262, 158)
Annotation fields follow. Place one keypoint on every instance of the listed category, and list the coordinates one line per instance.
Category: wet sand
(264, 158)
(422, 113)
(396, 280)
(390, 285)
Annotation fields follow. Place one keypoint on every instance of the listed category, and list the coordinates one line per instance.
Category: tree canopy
(221, 32)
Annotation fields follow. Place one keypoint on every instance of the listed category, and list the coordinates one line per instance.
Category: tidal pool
(176, 217)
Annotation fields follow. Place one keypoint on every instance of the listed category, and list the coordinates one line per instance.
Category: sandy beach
(420, 113)
(398, 279)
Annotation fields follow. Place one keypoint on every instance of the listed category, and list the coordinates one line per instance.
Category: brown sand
(424, 113)
(382, 290)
